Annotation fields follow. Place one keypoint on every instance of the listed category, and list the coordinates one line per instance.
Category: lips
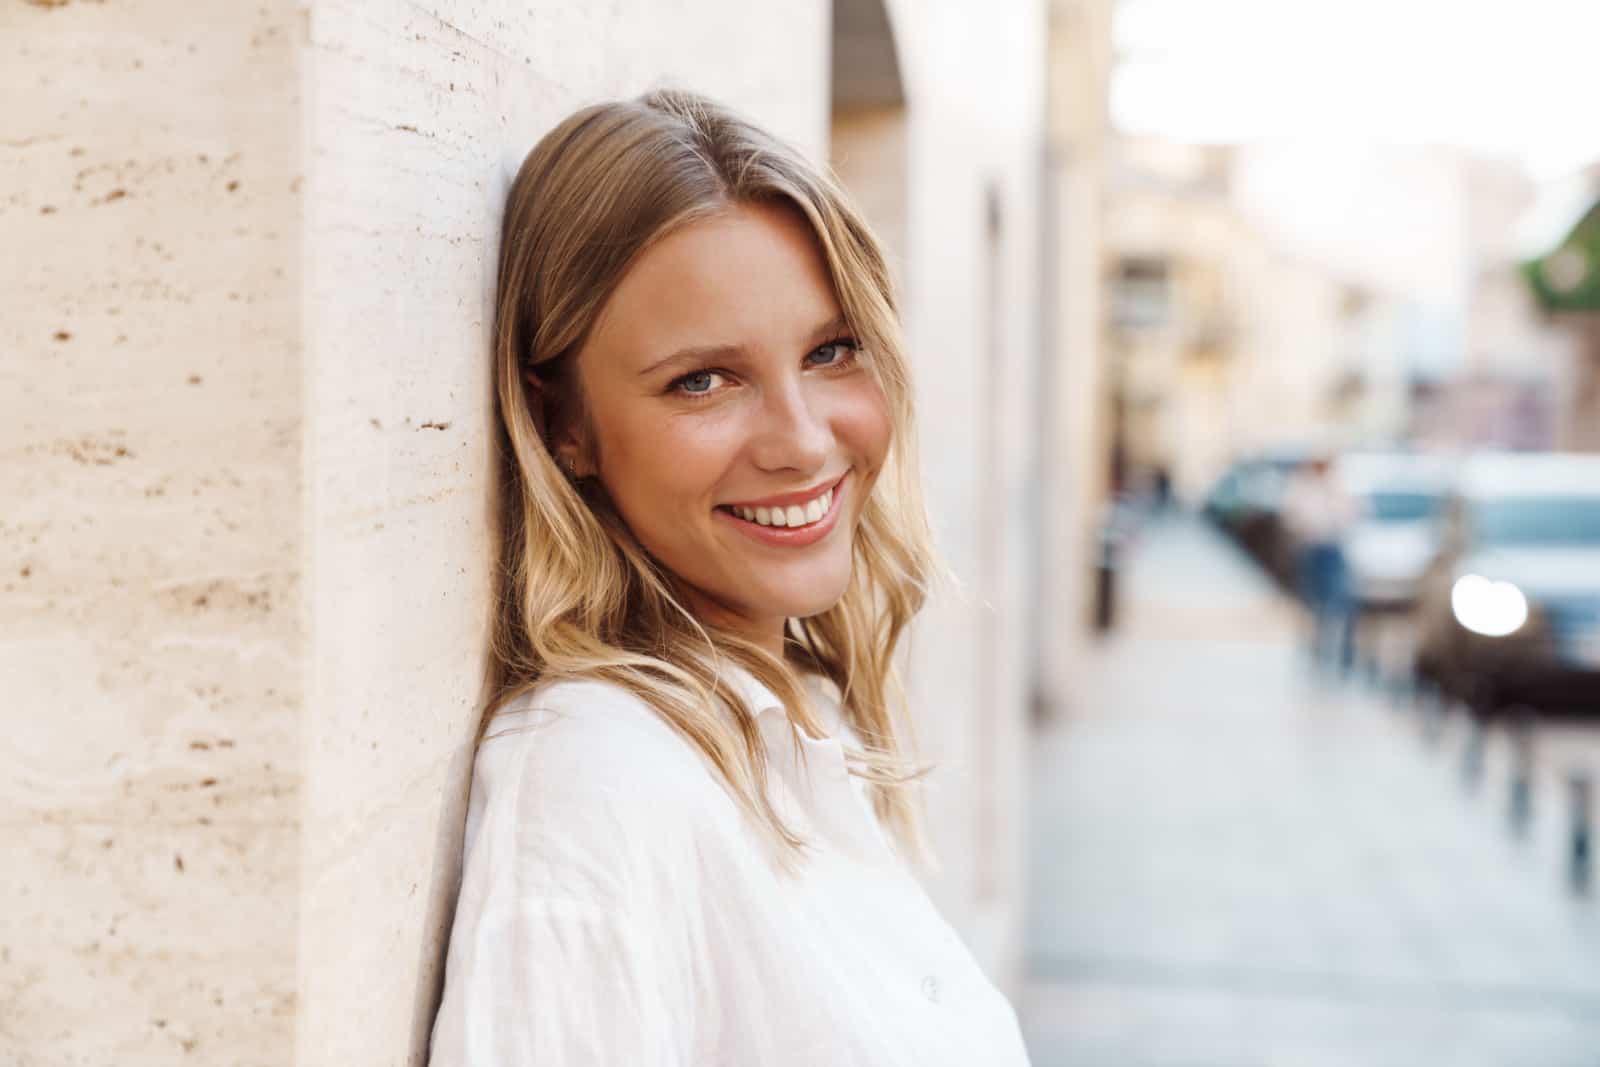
(768, 521)
(787, 510)
(799, 496)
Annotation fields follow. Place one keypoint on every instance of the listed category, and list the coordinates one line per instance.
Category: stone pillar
(152, 643)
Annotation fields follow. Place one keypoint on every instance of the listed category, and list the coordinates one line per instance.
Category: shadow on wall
(444, 881)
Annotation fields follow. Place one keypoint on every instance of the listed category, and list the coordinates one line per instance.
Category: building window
(1141, 293)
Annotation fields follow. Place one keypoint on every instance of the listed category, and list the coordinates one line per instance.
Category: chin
(815, 606)
(808, 595)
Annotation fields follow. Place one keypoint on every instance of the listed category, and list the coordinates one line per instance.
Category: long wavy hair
(577, 594)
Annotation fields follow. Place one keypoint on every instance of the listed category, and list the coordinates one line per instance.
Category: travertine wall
(151, 645)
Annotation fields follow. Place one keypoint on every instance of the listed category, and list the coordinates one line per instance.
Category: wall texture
(151, 643)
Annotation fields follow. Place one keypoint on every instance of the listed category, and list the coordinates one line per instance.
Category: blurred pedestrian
(1161, 485)
(1316, 515)
(691, 821)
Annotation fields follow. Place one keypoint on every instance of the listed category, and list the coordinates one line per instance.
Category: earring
(571, 465)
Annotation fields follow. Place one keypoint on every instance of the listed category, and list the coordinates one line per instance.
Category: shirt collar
(761, 700)
(764, 703)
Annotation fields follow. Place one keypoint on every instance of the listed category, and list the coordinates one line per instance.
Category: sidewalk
(1233, 865)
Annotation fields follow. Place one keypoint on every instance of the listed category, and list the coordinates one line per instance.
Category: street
(1235, 861)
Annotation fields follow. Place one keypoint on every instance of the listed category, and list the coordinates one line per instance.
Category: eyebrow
(696, 353)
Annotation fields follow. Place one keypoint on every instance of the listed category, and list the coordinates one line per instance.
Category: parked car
(1509, 611)
(1246, 503)
(1399, 499)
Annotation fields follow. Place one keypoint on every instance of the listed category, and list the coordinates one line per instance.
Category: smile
(787, 520)
(792, 515)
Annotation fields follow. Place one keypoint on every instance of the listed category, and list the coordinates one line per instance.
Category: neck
(765, 632)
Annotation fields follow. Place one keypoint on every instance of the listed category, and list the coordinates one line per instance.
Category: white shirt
(1316, 510)
(617, 907)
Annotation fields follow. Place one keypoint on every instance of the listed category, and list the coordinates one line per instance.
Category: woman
(691, 811)
(1318, 515)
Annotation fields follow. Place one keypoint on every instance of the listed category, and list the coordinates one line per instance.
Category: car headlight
(1487, 606)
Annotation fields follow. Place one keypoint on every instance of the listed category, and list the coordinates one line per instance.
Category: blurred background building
(1234, 328)
(1322, 790)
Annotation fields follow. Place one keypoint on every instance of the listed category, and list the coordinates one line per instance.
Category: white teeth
(793, 515)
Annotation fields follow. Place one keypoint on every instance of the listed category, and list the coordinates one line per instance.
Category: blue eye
(697, 383)
(842, 349)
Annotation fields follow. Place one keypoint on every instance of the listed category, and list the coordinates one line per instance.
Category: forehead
(751, 275)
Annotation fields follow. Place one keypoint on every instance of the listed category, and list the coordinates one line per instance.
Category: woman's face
(732, 419)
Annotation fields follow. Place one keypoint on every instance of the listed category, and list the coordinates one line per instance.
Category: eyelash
(849, 344)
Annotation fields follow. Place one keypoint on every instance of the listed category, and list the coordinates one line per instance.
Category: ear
(562, 425)
(541, 402)
(568, 452)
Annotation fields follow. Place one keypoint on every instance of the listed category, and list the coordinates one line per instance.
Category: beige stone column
(151, 595)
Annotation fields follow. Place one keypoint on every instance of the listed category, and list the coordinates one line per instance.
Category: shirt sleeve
(574, 940)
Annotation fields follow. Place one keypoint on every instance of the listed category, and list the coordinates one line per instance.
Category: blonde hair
(578, 596)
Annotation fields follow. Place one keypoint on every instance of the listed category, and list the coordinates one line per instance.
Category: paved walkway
(1234, 865)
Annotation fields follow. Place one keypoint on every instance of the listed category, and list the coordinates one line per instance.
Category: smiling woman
(692, 816)
(752, 422)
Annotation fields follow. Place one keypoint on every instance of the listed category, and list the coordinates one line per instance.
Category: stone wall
(151, 642)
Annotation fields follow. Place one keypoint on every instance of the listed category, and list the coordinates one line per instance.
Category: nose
(794, 433)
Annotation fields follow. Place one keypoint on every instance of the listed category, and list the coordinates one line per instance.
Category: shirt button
(930, 988)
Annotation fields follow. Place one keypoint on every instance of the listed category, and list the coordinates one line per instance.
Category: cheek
(660, 462)
(863, 425)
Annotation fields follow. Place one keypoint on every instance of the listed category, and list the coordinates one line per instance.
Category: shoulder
(603, 720)
(590, 752)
